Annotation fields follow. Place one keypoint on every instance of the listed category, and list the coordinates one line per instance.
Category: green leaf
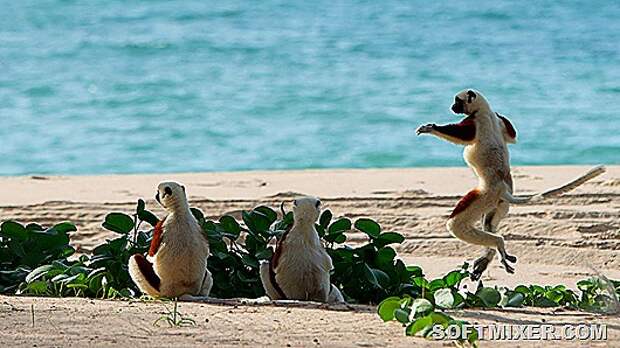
(141, 206)
(554, 295)
(64, 227)
(119, 223)
(14, 230)
(264, 254)
(368, 226)
(370, 276)
(249, 261)
(415, 271)
(382, 278)
(387, 307)
(420, 307)
(523, 289)
(402, 315)
(389, 238)
(339, 239)
(325, 219)
(385, 256)
(436, 284)
(421, 282)
(418, 325)
(454, 278)
(515, 300)
(256, 221)
(38, 287)
(444, 298)
(339, 226)
(489, 296)
(145, 215)
(38, 273)
(198, 214)
(271, 215)
(230, 225)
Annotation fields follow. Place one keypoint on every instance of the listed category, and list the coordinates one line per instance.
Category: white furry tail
(591, 174)
(143, 275)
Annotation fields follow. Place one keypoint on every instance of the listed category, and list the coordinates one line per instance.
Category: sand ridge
(557, 241)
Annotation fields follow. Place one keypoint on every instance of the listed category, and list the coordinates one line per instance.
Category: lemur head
(468, 102)
(171, 195)
(306, 209)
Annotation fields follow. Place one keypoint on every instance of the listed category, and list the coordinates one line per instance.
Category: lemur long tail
(143, 274)
(591, 174)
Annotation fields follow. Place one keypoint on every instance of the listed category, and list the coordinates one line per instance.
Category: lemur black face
(167, 192)
(459, 106)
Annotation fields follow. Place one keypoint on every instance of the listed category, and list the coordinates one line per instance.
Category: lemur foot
(427, 128)
(511, 258)
(508, 267)
(480, 265)
(480, 285)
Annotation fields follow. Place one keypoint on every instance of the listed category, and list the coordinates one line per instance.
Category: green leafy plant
(419, 317)
(23, 248)
(104, 274)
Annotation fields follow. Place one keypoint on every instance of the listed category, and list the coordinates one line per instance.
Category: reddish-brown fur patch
(156, 241)
(465, 202)
(275, 260)
(146, 268)
(464, 130)
(509, 128)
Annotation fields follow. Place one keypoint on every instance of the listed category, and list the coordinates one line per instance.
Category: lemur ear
(295, 202)
(471, 96)
(183, 187)
(318, 203)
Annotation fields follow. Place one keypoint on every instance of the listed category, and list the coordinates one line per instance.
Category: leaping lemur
(485, 135)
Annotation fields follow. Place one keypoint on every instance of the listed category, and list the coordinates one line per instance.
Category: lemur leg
(461, 225)
(207, 284)
(265, 278)
(490, 222)
(335, 296)
(205, 289)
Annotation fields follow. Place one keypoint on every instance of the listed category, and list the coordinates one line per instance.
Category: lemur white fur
(485, 135)
(300, 266)
(179, 251)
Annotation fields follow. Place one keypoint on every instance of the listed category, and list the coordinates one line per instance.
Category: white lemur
(178, 250)
(485, 135)
(300, 266)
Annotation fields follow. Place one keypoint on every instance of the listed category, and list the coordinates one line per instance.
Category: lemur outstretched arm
(591, 174)
(462, 133)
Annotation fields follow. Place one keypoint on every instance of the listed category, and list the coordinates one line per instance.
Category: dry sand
(557, 241)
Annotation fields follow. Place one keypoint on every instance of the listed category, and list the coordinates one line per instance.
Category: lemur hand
(425, 129)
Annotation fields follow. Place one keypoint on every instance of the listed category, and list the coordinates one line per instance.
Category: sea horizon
(156, 87)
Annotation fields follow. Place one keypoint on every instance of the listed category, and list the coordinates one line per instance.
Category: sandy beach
(557, 241)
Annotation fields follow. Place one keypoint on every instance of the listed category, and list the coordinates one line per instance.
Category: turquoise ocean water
(89, 87)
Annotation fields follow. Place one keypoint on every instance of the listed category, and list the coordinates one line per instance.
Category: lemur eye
(318, 203)
(168, 190)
